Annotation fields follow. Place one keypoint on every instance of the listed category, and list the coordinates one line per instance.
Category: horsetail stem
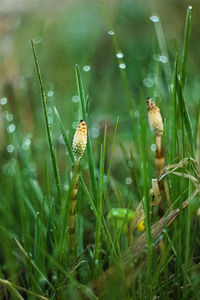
(78, 146)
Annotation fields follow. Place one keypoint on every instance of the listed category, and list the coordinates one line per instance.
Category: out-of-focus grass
(125, 53)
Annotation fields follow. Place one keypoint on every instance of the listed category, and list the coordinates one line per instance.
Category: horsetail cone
(80, 140)
(155, 118)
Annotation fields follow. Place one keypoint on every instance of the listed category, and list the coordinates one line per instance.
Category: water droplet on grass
(111, 32)
(50, 93)
(3, 101)
(66, 187)
(163, 59)
(190, 6)
(128, 180)
(154, 19)
(75, 99)
(122, 66)
(86, 68)
(26, 144)
(11, 128)
(9, 117)
(153, 147)
(119, 55)
(10, 148)
(148, 82)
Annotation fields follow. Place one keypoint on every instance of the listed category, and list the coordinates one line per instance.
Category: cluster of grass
(110, 262)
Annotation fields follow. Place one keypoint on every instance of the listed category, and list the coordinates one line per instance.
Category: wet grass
(113, 260)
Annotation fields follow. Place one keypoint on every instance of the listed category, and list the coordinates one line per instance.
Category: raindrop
(154, 19)
(66, 187)
(122, 66)
(153, 147)
(30, 254)
(190, 7)
(50, 93)
(148, 82)
(10, 148)
(111, 32)
(38, 212)
(163, 59)
(128, 180)
(91, 207)
(95, 132)
(119, 55)
(3, 101)
(11, 128)
(51, 229)
(96, 261)
(26, 144)
(9, 117)
(86, 68)
(75, 99)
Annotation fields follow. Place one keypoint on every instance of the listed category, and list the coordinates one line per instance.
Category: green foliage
(115, 185)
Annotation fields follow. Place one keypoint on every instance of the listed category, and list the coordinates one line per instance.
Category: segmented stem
(72, 235)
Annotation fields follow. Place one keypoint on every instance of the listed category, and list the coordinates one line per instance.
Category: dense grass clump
(112, 213)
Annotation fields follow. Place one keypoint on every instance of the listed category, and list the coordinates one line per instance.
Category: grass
(113, 260)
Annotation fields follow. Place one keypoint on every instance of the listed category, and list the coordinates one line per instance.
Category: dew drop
(153, 147)
(190, 6)
(50, 93)
(86, 68)
(111, 32)
(122, 66)
(3, 101)
(154, 19)
(148, 82)
(10, 148)
(163, 59)
(119, 55)
(66, 187)
(75, 99)
(128, 180)
(9, 117)
(26, 144)
(38, 212)
(11, 128)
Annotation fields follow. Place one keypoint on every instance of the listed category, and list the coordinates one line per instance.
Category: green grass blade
(65, 138)
(97, 264)
(186, 117)
(52, 149)
(186, 44)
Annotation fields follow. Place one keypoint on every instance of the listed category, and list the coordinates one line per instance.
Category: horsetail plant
(78, 146)
(156, 125)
